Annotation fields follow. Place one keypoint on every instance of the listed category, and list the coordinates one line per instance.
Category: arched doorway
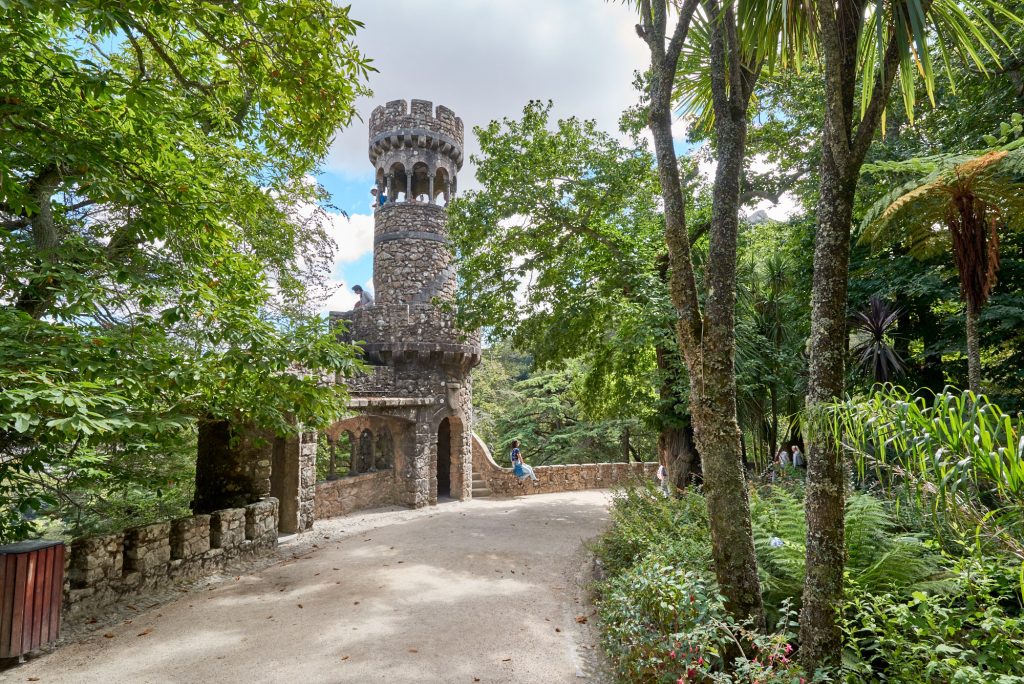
(444, 458)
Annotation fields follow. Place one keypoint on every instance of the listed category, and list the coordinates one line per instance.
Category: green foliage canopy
(161, 244)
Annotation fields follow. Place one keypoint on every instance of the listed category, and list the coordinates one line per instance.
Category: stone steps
(480, 487)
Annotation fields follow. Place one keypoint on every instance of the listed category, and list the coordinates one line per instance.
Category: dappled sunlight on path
(481, 591)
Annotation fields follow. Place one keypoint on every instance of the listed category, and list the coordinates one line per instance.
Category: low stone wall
(105, 570)
(349, 494)
(556, 478)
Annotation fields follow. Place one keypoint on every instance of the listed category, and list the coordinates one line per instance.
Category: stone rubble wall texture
(557, 478)
(397, 115)
(307, 478)
(394, 332)
(412, 261)
(350, 494)
(104, 570)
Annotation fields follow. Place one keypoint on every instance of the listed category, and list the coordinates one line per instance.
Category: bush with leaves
(664, 623)
(914, 612)
(972, 632)
(879, 556)
(162, 249)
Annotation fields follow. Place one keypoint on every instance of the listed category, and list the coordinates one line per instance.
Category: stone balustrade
(104, 570)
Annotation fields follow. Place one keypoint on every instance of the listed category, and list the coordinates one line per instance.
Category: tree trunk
(708, 346)
(840, 23)
(679, 454)
(973, 352)
(714, 388)
(820, 639)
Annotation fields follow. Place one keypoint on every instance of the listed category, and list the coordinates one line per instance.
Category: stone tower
(418, 391)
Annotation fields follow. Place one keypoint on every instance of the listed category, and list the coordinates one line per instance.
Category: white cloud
(485, 60)
(353, 236)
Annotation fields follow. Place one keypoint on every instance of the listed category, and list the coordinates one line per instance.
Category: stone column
(430, 191)
(332, 469)
(353, 459)
(408, 186)
(391, 187)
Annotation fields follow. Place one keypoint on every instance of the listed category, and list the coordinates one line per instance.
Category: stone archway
(448, 463)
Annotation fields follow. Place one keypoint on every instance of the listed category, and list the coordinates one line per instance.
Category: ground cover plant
(915, 611)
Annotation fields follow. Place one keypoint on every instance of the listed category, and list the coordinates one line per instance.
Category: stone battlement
(394, 128)
(105, 570)
(397, 115)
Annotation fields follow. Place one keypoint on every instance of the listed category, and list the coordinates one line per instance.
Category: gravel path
(491, 590)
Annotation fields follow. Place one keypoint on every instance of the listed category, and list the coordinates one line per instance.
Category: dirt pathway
(483, 591)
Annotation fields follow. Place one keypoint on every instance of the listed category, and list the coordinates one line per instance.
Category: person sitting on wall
(519, 467)
(365, 298)
(379, 198)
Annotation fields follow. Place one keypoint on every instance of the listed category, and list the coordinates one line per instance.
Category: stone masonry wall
(397, 114)
(355, 493)
(557, 478)
(411, 259)
(102, 571)
(307, 478)
(408, 326)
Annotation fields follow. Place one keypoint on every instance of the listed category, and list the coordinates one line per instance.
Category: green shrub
(880, 557)
(665, 624)
(646, 523)
(913, 614)
(960, 637)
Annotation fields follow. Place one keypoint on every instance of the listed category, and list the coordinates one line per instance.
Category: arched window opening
(365, 453)
(441, 192)
(442, 189)
(333, 456)
(385, 454)
(421, 181)
(397, 183)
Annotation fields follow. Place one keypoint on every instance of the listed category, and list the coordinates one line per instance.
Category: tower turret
(417, 154)
(418, 388)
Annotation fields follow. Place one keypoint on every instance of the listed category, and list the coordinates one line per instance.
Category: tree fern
(880, 558)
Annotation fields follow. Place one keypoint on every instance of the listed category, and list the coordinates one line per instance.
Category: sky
(484, 59)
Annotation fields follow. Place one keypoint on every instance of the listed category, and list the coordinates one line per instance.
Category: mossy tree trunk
(707, 341)
(847, 134)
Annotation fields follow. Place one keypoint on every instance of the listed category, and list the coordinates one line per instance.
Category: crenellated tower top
(416, 150)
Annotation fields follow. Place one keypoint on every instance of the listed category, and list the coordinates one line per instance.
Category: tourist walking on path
(663, 478)
(519, 467)
(783, 457)
(798, 457)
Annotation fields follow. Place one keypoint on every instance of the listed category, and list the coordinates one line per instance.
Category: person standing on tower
(379, 198)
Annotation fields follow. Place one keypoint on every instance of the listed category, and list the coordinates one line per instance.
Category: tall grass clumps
(955, 458)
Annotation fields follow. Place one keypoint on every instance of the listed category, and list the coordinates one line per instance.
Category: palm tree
(958, 204)
(863, 46)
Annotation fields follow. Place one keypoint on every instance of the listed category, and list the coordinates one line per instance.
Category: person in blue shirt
(379, 198)
(519, 467)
